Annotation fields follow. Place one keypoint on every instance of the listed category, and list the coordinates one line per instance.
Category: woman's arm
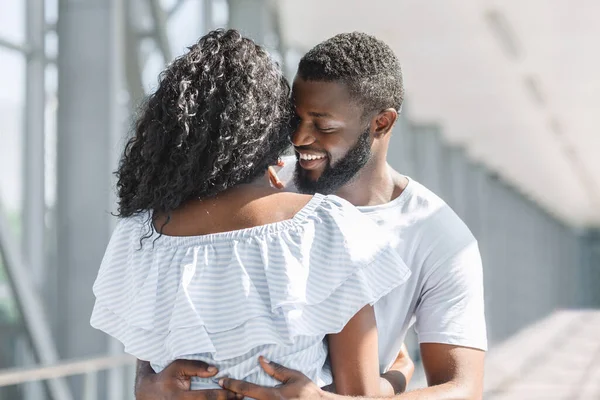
(354, 356)
(399, 375)
(396, 379)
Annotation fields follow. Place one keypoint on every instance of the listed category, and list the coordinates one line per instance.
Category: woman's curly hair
(219, 118)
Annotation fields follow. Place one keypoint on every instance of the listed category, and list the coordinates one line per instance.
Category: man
(347, 93)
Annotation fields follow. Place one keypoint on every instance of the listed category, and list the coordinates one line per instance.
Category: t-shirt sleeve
(451, 306)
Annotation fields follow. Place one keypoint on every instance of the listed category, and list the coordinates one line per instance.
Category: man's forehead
(322, 99)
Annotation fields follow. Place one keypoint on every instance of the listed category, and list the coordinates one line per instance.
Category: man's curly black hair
(368, 67)
(219, 118)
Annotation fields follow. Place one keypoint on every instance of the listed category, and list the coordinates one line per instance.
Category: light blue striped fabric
(274, 290)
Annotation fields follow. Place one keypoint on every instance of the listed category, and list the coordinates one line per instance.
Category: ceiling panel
(516, 83)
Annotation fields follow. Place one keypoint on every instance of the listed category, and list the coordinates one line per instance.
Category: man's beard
(336, 176)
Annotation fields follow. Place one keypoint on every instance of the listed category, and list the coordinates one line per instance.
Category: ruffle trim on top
(224, 297)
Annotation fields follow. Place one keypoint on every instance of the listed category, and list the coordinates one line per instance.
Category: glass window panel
(220, 13)
(141, 15)
(168, 4)
(154, 64)
(51, 44)
(12, 82)
(51, 11)
(50, 134)
(12, 20)
(185, 26)
(8, 308)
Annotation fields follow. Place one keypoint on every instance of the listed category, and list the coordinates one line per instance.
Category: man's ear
(384, 122)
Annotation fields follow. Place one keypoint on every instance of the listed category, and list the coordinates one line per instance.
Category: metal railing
(89, 368)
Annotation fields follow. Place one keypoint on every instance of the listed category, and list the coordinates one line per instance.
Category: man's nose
(302, 137)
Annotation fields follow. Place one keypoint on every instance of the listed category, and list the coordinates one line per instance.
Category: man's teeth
(310, 157)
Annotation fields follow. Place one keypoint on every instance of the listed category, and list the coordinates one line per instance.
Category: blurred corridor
(500, 120)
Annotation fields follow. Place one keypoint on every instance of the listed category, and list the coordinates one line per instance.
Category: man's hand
(295, 385)
(173, 383)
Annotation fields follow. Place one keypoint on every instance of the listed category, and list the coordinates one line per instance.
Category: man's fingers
(191, 368)
(246, 388)
(280, 162)
(277, 371)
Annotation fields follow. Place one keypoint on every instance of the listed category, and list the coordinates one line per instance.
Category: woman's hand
(272, 175)
(400, 373)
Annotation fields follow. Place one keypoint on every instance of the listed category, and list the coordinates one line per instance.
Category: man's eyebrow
(318, 114)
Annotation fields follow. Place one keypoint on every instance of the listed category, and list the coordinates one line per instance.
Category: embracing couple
(224, 286)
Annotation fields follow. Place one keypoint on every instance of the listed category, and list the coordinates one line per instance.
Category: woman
(209, 262)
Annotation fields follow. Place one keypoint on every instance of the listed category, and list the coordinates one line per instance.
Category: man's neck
(376, 184)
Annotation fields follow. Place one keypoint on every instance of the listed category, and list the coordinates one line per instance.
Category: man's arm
(450, 323)
(452, 372)
(296, 386)
(173, 383)
(451, 328)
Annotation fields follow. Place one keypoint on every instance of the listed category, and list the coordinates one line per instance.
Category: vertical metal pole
(34, 204)
(130, 372)
(401, 152)
(117, 130)
(90, 386)
(160, 29)
(252, 18)
(33, 158)
(133, 66)
(447, 189)
(428, 146)
(83, 172)
(209, 23)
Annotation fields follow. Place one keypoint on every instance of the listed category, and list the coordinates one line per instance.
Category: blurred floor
(556, 358)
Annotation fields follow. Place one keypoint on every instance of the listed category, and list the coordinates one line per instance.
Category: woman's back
(244, 206)
(225, 298)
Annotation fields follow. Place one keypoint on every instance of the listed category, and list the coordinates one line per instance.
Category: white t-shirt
(443, 297)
